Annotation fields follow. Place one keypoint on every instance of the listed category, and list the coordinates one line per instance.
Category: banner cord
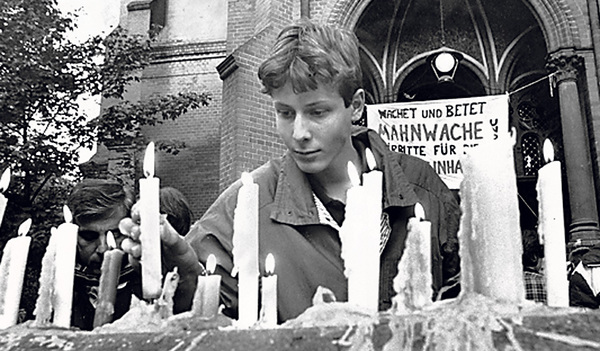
(527, 205)
(551, 81)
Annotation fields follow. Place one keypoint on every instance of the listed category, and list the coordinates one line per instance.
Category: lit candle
(150, 228)
(269, 293)
(413, 283)
(360, 236)
(551, 229)
(45, 301)
(206, 298)
(109, 280)
(64, 273)
(245, 251)
(4, 181)
(490, 231)
(12, 273)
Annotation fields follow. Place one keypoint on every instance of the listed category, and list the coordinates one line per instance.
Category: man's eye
(285, 113)
(318, 112)
(89, 235)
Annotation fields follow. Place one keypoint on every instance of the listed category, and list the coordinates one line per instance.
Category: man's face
(316, 127)
(91, 240)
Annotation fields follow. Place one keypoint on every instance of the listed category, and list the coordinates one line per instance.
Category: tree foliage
(42, 75)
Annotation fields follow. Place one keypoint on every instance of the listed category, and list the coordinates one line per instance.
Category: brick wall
(194, 170)
(248, 134)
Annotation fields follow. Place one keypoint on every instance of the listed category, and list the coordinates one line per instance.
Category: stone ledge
(561, 331)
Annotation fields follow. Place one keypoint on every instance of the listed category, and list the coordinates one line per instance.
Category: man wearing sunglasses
(97, 206)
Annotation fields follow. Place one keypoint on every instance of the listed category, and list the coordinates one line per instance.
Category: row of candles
(56, 279)
(359, 252)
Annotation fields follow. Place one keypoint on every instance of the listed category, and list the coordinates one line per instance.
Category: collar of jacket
(294, 203)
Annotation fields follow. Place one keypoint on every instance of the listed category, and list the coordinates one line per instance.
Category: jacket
(307, 248)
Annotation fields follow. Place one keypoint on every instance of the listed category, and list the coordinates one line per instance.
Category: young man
(314, 78)
(98, 205)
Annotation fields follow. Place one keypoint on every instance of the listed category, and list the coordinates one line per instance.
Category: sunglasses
(92, 235)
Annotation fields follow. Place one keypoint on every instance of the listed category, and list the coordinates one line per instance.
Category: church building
(545, 54)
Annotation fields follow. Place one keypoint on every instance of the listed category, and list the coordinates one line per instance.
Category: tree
(42, 75)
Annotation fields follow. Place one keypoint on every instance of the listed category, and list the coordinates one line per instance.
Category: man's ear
(358, 104)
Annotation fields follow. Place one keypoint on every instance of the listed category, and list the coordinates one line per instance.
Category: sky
(96, 17)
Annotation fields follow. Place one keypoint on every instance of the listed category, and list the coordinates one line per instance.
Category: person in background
(533, 254)
(314, 79)
(98, 205)
(584, 281)
(174, 204)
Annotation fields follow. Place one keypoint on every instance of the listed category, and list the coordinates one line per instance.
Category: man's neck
(335, 184)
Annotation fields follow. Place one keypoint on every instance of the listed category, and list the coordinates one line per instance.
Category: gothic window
(158, 13)
(532, 155)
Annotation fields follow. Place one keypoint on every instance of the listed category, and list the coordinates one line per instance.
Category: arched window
(532, 154)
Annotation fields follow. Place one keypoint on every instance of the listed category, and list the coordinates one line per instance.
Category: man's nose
(102, 245)
(301, 128)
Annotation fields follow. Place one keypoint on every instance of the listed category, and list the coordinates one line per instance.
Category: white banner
(439, 131)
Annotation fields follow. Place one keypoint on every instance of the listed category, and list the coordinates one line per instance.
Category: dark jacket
(85, 294)
(580, 292)
(307, 249)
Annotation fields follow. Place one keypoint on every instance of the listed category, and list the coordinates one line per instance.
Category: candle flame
(211, 264)
(24, 227)
(247, 179)
(110, 240)
(149, 160)
(419, 211)
(5, 180)
(67, 214)
(270, 264)
(353, 174)
(371, 162)
(548, 151)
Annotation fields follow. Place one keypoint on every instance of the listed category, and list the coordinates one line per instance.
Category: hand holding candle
(551, 229)
(109, 280)
(12, 273)
(206, 298)
(4, 181)
(269, 293)
(149, 207)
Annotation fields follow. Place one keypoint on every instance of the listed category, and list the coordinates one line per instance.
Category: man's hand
(176, 252)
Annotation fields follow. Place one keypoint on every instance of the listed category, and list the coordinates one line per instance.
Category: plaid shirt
(535, 286)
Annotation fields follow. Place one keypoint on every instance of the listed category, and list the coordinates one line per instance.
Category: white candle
(4, 181)
(45, 301)
(65, 253)
(245, 251)
(206, 298)
(109, 281)
(551, 229)
(269, 293)
(150, 228)
(360, 235)
(12, 273)
(413, 283)
(490, 231)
